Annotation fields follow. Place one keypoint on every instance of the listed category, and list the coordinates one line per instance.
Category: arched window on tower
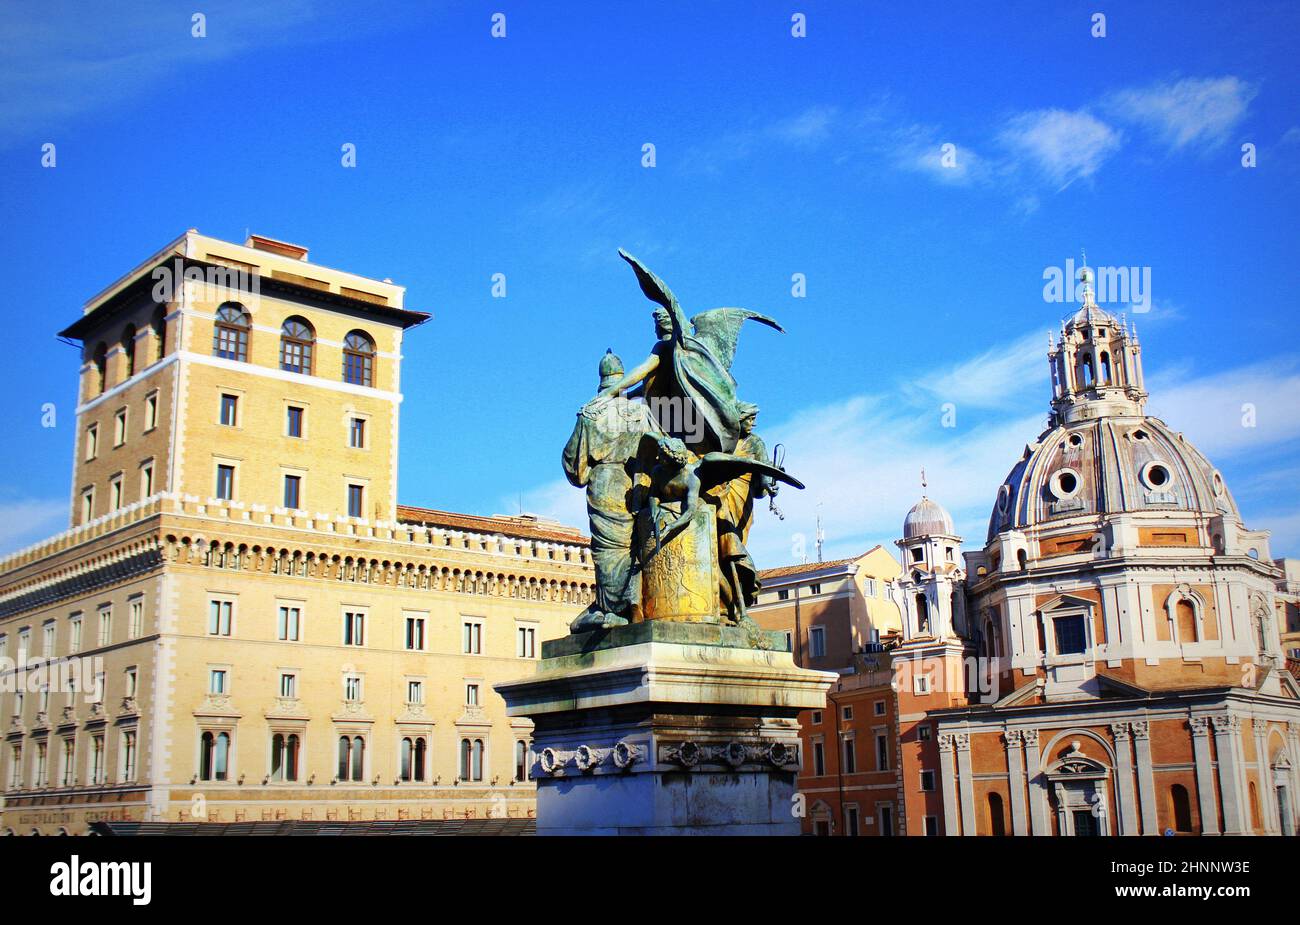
(296, 342)
(997, 820)
(1185, 615)
(359, 359)
(922, 614)
(230, 333)
(1105, 368)
(128, 351)
(1180, 808)
(100, 359)
(158, 324)
(1085, 372)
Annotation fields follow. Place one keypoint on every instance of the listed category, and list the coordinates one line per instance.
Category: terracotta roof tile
(522, 527)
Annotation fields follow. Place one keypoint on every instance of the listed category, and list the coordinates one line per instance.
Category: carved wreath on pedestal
(691, 754)
(587, 759)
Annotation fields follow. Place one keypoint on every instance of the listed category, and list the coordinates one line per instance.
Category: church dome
(1107, 466)
(927, 518)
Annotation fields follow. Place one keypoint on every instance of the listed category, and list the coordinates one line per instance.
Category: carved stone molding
(1015, 738)
(946, 742)
(1030, 736)
(1226, 722)
(1141, 729)
(1200, 725)
(1121, 731)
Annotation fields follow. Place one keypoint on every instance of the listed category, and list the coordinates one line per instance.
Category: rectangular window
(819, 759)
(932, 825)
(354, 628)
(357, 433)
(146, 480)
(135, 617)
(293, 492)
(293, 422)
(817, 641)
(217, 681)
(15, 767)
(288, 685)
(119, 427)
(882, 752)
(115, 493)
(1070, 635)
(88, 505)
(789, 641)
(471, 695)
(814, 589)
(415, 634)
(226, 482)
(131, 682)
(850, 755)
(289, 623)
(851, 821)
(871, 587)
(472, 638)
(783, 594)
(927, 781)
(128, 756)
(150, 411)
(526, 642)
(879, 707)
(886, 820)
(220, 614)
(92, 442)
(97, 760)
(352, 688)
(415, 692)
(356, 500)
(42, 769)
(47, 639)
(229, 410)
(923, 732)
(846, 712)
(105, 626)
(74, 635)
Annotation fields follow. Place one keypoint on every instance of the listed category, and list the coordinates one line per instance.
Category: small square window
(230, 410)
(293, 492)
(226, 482)
(879, 707)
(923, 732)
(471, 695)
(847, 712)
(927, 781)
(288, 685)
(217, 681)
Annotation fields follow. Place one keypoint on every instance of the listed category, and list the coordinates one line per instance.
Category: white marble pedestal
(663, 728)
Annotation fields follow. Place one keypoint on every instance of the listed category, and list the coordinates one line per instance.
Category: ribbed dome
(927, 518)
(1108, 465)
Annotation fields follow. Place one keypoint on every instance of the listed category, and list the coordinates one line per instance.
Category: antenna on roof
(821, 535)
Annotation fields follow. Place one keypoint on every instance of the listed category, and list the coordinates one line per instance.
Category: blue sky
(774, 155)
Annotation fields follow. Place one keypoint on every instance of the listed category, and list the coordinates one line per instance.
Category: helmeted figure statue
(671, 489)
(609, 453)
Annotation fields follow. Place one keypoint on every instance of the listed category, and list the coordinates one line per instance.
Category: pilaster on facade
(1015, 743)
(1199, 725)
(948, 775)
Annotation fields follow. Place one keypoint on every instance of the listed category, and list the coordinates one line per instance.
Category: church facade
(1110, 661)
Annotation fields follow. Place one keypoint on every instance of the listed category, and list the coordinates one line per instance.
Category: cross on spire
(924, 485)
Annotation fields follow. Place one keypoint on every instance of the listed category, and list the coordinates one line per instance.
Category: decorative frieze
(688, 754)
(586, 759)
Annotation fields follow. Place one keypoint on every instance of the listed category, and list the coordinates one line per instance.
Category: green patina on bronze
(672, 468)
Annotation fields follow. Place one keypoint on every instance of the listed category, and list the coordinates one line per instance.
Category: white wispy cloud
(1202, 110)
(1062, 145)
(924, 150)
(24, 521)
(810, 127)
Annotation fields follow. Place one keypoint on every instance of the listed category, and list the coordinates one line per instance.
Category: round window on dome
(1218, 484)
(1076, 440)
(1139, 435)
(1156, 475)
(1065, 484)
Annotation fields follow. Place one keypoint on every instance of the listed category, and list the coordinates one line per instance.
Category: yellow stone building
(242, 623)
